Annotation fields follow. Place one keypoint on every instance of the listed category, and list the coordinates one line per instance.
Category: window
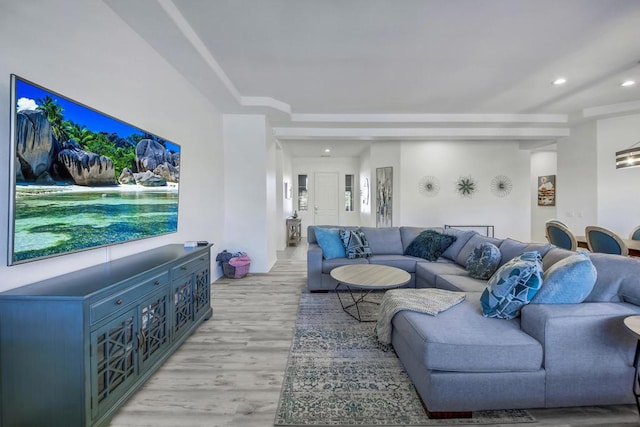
(302, 193)
(348, 193)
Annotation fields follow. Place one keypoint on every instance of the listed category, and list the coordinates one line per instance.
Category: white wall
(542, 163)
(448, 161)
(618, 190)
(309, 166)
(84, 51)
(284, 167)
(274, 199)
(249, 183)
(576, 181)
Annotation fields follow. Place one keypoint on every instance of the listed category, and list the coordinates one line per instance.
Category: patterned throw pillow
(512, 286)
(329, 240)
(484, 261)
(429, 245)
(568, 281)
(355, 244)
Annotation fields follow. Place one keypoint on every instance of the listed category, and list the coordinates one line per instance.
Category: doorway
(326, 201)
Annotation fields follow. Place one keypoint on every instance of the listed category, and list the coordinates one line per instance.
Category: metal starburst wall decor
(501, 186)
(429, 186)
(466, 186)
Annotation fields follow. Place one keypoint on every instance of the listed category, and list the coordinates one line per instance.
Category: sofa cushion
(568, 281)
(511, 248)
(384, 240)
(475, 344)
(483, 261)
(430, 270)
(512, 286)
(355, 244)
(472, 243)
(403, 262)
(429, 245)
(554, 255)
(408, 234)
(330, 264)
(617, 279)
(311, 231)
(454, 282)
(329, 241)
(462, 237)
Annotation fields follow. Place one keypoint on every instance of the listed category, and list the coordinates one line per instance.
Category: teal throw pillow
(512, 286)
(355, 244)
(483, 261)
(429, 245)
(329, 240)
(568, 281)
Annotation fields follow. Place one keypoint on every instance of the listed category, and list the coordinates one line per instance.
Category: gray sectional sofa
(552, 355)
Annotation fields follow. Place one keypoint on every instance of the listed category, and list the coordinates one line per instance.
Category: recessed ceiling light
(326, 150)
(559, 81)
(628, 83)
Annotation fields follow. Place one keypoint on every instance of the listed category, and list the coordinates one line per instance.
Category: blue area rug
(338, 374)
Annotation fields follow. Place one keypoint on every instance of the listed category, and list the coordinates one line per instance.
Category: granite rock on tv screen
(82, 179)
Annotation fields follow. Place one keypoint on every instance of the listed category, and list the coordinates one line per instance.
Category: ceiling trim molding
(607, 110)
(265, 101)
(174, 14)
(419, 133)
(430, 118)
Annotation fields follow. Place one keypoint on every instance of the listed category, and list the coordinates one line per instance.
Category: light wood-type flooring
(230, 371)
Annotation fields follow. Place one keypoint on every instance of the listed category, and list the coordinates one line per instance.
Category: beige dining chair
(600, 239)
(557, 233)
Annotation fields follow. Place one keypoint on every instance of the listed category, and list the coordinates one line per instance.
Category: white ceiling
(335, 73)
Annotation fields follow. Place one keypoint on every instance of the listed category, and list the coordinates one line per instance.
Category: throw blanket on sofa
(430, 301)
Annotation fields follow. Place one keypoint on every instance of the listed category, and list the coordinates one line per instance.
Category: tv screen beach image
(83, 179)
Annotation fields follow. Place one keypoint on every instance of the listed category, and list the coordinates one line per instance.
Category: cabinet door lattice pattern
(154, 327)
(115, 356)
(183, 302)
(203, 290)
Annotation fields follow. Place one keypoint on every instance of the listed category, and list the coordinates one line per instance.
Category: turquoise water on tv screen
(56, 222)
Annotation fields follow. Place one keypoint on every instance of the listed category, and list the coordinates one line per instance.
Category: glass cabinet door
(202, 291)
(182, 291)
(113, 360)
(153, 338)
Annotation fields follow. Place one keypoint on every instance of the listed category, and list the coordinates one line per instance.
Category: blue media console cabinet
(74, 348)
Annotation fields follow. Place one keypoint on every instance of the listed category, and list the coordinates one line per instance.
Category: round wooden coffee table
(359, 280)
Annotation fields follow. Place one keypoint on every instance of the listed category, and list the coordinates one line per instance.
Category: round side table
(633, 325)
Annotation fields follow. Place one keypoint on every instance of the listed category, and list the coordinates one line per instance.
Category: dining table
(632, 245)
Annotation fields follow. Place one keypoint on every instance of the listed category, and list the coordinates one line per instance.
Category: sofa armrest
(314, 266)
(580, 338)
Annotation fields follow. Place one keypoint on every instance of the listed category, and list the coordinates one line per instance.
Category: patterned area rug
(338, 374)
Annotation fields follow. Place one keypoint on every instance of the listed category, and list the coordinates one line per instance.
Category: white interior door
(326, 207)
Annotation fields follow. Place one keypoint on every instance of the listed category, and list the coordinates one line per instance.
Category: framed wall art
(547, 190)
(384, 196)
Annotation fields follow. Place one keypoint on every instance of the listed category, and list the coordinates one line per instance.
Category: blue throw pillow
(329, 240)
(429, 245)
(355, 244)
(512, 286)
(483, 261)
(568, 281)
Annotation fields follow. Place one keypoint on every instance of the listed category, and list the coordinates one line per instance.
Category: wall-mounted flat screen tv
(81, 179)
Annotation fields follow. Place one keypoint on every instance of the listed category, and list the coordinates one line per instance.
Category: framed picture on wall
(384, 196)
(547, 190)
